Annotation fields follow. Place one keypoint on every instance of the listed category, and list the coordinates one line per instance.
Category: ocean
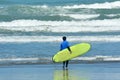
(31, 30)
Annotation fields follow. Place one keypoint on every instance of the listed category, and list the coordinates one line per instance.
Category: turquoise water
(31, 30)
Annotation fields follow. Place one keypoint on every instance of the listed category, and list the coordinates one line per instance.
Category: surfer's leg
(63, 64)
(67, 63)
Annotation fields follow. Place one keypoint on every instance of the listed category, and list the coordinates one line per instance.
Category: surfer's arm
(69, 49)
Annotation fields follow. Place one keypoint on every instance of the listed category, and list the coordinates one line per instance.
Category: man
(64, 45)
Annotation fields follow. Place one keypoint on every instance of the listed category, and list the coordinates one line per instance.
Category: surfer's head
(64, 38)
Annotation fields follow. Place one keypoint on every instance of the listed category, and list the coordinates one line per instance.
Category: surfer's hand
(70, 52)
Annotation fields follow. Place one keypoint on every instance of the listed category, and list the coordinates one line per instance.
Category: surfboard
(77, 50)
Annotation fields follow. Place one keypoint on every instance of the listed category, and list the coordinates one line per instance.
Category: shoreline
(103, 71)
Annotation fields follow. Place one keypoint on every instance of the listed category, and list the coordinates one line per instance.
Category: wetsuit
(64, 45)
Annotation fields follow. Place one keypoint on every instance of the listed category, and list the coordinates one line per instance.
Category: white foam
(98, 58)
(106, 5)
(113, 15)
(81, 16)
(58, 38)
(112, 59)
(43, 6)
(19, 59)
(63, 26)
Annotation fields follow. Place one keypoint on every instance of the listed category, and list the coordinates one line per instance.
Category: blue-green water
(31, 30)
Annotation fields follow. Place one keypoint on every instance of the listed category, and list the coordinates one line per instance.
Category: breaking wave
(21, 39)
(106, 5)
(48, 60)
(58, 13)
(62, 26)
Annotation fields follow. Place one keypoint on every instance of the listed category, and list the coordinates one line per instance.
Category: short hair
(64, 38)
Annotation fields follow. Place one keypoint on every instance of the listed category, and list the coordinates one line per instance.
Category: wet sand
(101, 71)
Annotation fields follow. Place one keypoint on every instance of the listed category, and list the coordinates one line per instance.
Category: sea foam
(22, 39)
(62, 26)
(106, 5)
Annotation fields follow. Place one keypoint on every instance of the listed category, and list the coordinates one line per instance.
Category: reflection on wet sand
(65, 74)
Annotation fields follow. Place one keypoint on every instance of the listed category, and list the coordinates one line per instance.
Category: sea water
(31, 30)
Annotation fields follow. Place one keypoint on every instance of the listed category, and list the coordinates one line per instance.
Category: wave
(48, 60)
(106, 16)
(106, 5)
(62, 26)
(16, 61)
(41, 2)
(113, 15)
(22, 39)
(53, 13)
(81, 16)
(98, 59)
(43, 12)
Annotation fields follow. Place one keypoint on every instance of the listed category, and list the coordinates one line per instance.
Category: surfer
(64, 45)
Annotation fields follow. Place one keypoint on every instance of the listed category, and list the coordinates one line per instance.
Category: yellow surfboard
(77, 50)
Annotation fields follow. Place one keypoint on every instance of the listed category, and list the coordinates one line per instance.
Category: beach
(31, 32)
(100, 71)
